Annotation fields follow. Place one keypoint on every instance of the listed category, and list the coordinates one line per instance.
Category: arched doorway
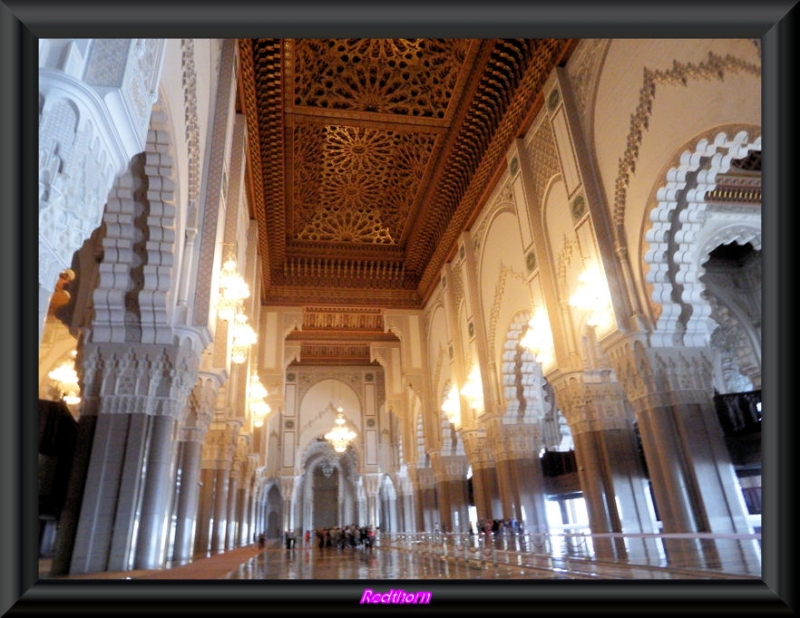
(273, 513)
(329, 491)
(325, 494)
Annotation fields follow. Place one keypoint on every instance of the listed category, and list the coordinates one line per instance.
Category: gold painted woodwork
(368, 157)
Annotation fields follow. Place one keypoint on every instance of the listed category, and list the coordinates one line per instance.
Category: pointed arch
(685, 229)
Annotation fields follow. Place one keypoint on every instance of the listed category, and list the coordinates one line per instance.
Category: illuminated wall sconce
(592, 297)
(232, 291)
(259, 409)
(473, 390)
(538, 338)
(244, 337)
(451, 406)
(66, 382)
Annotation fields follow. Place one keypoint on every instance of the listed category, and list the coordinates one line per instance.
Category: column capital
(450, 467)
(287, 487)
(131, 378)
(591, 401)
(514, 440)
(661, 377)
(423, 478)
(218, 449)
(477, 448)
(372, 483)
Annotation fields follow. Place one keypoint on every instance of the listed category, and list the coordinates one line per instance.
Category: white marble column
(156, 505)
(188, 497)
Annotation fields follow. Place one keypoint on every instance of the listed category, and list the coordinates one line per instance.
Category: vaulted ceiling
(367, 158)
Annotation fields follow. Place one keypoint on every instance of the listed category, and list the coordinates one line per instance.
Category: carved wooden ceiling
(368, 157)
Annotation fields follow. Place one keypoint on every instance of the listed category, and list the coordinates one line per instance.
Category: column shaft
(188, 500)
(220, 509)
(156, 504)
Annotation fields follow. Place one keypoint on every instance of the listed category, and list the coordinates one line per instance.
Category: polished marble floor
(275, 562)
(485, 579)
(308, 563)
(384, 563)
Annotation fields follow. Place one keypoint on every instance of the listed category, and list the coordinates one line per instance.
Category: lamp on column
(538, 338)
(66, 381)
(233, 289)
(255, 398)
(592, 297)
(473, 390)
(451, 406)
(244, 337)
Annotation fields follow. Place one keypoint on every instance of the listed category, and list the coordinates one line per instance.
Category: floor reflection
(353, 564)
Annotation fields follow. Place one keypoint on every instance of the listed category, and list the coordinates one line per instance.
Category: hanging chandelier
(451, 406)
(255, 399)
(473, 390)
(341, 435)
(232, 291)
(243, 338)
(538, 338)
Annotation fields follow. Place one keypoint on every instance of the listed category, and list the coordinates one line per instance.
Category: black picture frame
(23, 22)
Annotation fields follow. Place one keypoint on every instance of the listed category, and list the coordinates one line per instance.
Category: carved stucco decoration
(192, 132)
(202, 402)
(456, 285)
(569, 250)
(731, 344)
(506, 273)
(584, 72)
(287, 484)
(544, 158)
(426, 478)
(502, 200)
(141, 379)
(713, 67)
(83, 142)
(74, 180)
(661, 377)
(219, 448)
(734, 294)
(519, 441)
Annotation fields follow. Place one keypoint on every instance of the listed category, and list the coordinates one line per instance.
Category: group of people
(354, 536)
(289, 539)
(340, 537)
(497, 527)
(337, 537)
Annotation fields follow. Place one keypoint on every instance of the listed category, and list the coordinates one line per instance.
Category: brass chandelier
(341, 435)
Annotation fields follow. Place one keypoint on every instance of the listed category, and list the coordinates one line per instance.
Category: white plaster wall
(503, 280)
(440, 367)
(437, 344)
(315, 417)
(466, 341)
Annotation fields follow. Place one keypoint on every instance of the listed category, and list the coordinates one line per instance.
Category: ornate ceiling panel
(368, 157)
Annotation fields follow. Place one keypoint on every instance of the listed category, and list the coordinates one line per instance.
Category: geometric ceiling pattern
(368, 157)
